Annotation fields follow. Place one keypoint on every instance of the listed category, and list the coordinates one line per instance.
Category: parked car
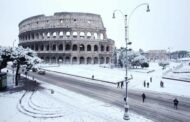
(41, 72)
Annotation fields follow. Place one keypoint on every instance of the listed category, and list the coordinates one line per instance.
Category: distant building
(153, 55)
(179, 54)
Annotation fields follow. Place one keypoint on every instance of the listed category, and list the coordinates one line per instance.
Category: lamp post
(126, 106)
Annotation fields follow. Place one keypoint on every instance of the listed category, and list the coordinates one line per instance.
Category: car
(41, 72)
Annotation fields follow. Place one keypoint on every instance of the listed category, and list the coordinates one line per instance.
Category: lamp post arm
(136, 9)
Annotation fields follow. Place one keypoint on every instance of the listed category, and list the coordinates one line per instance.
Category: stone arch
(102, 47)
(89, 60)
(47, 47)
(47, 59)
(60, 47)
(41, 47)
(74, 47)
(101, 60)
(67, 47)
(53, 60)
(81, 61)
(107, 48)
(54, 47)
(95, 48)
(74, 60)
(67, 60)
(107, 60)
(88, 47)
(82, 48)
(95, 60)
(60, 59)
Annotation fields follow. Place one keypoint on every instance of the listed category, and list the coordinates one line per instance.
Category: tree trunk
(17, 72)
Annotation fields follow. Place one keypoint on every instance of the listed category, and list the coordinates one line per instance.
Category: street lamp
(126, 106)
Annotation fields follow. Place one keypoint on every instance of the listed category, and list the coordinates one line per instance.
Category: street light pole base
(126, 116)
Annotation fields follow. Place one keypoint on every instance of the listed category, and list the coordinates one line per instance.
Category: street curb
(79, 76)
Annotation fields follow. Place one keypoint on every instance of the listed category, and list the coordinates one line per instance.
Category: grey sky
(167, 25)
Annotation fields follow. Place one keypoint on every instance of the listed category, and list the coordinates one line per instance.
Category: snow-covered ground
(139, 76)
(61, 106)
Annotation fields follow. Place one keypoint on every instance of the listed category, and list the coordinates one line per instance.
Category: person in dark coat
(175, 103)
(143, 97)
(150, 79)
(118, 83)
(122, 84)
(147, 84)
(144, 83)
(92, 77)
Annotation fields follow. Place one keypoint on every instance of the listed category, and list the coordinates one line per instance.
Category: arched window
(48, 35)
(82, 35)
(53, 60)
(47, 47)
(101, 36)
(89, 35)
(54, 47)
(95, 60)
(101, 60)
(88, 47)
(60, 60)
(89, 60)
(36, 47)
(42, 47)
(102, 48)
(67, 60)
(81, 60)
(67, 47)
(107, 48)
(95, 48)
(74, 47)
(74, 60)
(82, 48)
(61, 34)
(107, 60)
(60, 47)
(68, 34)
(74, 34)
(95, 36)
(54, 34)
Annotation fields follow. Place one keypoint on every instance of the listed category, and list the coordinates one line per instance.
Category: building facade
(67, 37)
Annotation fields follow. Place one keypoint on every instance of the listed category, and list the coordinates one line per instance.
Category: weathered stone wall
(67, 37)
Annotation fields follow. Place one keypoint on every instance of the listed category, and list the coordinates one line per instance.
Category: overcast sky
(167, 25)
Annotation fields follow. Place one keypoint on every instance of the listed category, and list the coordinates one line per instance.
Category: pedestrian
(143, 97)
(118, 83)
(144, 83)
(147, 84)
(121, 84)
(161, 84)
(150, 79)
(175, 103)
(92, 77)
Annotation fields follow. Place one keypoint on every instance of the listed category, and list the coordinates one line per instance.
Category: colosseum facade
(67, 37)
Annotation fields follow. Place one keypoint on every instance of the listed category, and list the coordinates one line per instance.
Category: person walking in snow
(143, 97)
(175, 103)
(147, 84)
(150, 79)
(161, 84)
(118, 83)
(121, 84)
(92, 77)
(144, 83)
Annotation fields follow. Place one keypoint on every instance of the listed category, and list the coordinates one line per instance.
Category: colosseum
(67, 37)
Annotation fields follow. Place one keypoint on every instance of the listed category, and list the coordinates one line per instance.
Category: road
(157, 107)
